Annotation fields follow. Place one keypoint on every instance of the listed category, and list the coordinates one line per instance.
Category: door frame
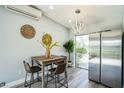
(76, 53)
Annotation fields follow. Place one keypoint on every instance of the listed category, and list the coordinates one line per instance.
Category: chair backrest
(61, 61)
(65, 57)
(27, 67)
(61, 68)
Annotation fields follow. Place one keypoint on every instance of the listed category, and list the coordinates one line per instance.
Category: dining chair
(47, 66)
(31, 70)
(60, 62)
(56, 72)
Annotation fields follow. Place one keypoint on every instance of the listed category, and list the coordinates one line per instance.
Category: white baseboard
(15, 83)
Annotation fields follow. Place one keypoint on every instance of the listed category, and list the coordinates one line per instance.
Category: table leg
(43, 75)
(32, 62)
(32, 79)
(32, 73)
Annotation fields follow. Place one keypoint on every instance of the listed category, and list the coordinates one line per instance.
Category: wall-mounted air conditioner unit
(26, 10)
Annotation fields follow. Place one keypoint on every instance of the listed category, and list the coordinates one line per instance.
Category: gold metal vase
(47, 54)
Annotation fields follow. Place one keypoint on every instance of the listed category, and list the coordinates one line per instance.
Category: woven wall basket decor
(28, 31)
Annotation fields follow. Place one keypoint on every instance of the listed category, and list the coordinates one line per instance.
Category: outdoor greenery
(81, 50)
(69, 47)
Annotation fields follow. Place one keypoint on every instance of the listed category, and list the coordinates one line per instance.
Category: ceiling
(90, 14)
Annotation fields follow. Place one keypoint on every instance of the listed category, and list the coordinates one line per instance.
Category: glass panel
(82, 56)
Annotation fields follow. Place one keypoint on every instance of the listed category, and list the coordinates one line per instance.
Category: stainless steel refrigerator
(105, 66)
(94, 51)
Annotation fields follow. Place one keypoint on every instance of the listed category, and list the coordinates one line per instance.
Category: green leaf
(69, 46)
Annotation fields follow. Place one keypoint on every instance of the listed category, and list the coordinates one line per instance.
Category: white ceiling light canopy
(51, 7)
(78, 25)
(69, 20)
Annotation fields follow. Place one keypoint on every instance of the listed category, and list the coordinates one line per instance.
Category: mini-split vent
(26, 10)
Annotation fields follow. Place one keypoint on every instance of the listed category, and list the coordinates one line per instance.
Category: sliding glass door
(82, 50)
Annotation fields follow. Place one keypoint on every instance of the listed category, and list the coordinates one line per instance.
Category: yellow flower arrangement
(48, 43)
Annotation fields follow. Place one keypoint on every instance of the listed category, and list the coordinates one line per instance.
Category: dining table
(43, 61)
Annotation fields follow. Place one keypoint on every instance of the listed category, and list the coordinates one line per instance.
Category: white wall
(14, 48)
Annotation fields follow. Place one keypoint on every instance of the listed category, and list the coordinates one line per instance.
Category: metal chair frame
(28, 70)
(55, 75)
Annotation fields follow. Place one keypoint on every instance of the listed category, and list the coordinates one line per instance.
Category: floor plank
(77, 78)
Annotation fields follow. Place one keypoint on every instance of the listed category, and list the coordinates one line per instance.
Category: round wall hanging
(28, 31)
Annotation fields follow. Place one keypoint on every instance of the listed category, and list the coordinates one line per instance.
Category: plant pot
(69, 64)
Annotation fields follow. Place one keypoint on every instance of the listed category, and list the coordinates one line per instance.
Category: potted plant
(69, 47)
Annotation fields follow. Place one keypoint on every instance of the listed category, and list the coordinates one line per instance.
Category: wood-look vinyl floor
(77, 78)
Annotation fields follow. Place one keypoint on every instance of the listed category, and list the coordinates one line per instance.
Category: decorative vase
(48, 44)
(48, 55)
